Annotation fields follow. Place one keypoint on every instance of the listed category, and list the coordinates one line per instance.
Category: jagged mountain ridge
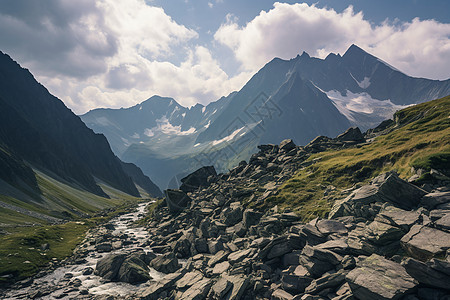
(38, 131)
(299, 98)
(153, 118)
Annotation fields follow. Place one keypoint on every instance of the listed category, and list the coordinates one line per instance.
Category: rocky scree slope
(384, 238)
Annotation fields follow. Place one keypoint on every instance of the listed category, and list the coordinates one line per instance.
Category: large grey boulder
(377, 237)
(395, 216)
(432, 200)
(188, 280)
(338, 246)
(435, 273)
(240, 255)
(309, 234)
(377, 278)
(325, 282)
(232, 215)
(287, 145)
(353, 134)
(295, 284)
(198, 179)
(381, 233)
(218, 257)
(221, 268)
(176, 200)
(108, 267)
(220, 289)
(387, 187)
(133, 270)
(129, 268)
(104, 247)
(153, 291)
(423, 242)
(318, 261)
(182, 247)
(444, 222)
(397, 191)
(281, 245)
(251, 217)
(330, 226)
(240, 284)
(166, 263)
(198, 290)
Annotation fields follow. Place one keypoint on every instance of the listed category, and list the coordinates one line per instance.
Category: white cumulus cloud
(109, 53)
(418, 48)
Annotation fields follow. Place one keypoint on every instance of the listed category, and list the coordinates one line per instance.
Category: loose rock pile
(386, 240)
(389, 239)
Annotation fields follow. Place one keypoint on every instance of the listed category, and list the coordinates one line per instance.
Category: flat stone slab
(377, 278)
(189, 279)
(199, 290)
(435, 273)
(423, 242)
(398, 217)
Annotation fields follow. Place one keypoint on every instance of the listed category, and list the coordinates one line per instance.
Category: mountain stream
(75, 281)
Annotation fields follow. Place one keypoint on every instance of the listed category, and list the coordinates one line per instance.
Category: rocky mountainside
(249, 234)
(296, 99)
(44, 146)
(370, 247)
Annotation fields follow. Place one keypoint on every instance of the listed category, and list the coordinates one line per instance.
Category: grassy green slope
(420, 139)
(24, 230)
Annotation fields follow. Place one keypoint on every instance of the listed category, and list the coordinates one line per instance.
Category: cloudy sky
(116, 53)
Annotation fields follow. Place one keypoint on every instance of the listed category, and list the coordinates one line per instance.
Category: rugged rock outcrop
(130, 268)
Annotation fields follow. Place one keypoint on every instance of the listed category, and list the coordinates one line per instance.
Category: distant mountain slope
(299, 98)
(416, 145)
(38, 131)
(156, 118)
(141, 180)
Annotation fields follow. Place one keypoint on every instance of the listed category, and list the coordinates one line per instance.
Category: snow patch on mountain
(166, 127)
(148, 132)
(228, 138)
(364, 84)
(352, 103)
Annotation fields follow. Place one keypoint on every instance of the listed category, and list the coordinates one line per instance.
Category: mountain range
(300, 98)
(45, 150)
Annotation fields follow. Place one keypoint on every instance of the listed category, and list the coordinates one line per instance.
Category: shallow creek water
(92, 284)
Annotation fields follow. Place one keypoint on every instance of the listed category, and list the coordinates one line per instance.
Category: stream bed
(76, 279)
